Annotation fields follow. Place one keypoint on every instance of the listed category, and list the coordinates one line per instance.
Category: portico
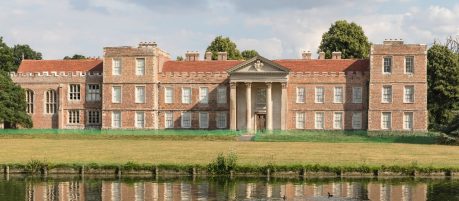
(258, 95)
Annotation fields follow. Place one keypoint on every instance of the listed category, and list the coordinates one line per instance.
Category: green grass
(347, 136)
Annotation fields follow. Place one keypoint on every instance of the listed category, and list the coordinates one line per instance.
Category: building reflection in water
(227, 190)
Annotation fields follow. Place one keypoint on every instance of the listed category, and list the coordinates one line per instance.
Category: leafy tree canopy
(12, 103)
(224, 44)
(349, 38)
(248, 54)
(179, 58)
(6, 57)
(24, 52)
(75, 57)
(443, 85)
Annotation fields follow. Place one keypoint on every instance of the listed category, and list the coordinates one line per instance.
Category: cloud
(269, 47)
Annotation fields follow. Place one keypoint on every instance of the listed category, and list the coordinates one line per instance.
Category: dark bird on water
(329, 195)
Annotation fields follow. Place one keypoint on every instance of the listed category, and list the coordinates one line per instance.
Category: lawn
(106, 150)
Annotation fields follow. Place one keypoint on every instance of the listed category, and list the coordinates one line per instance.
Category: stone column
(233, 109)
(284, 107)
(248, 98)
(269, 107)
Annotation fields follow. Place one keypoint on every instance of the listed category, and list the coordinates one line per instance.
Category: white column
(248, 98)
(269, 107)
(284, 107)
(233, 109)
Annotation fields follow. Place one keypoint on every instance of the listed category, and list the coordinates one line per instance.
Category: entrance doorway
(261, 122)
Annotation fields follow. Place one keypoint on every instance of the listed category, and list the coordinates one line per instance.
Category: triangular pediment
(258, 64)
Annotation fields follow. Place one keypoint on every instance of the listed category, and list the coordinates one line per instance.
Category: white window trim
(70, 92)
(120, 119)
(361, 120)
(203, 99)
(297, 95)
(182, 120)
(391, 65)
(225, 97)
(165, 95)
(165, 119)
(323, 95)
(201, 121)
(135, 119)
(225, 115)
(404, 94)
(391, 94)
(354, 100)
(382, 121)
(342, 120)
(144, 66)
(412, 120)
(343, 98)
(323, 120)
(121, 94)
(54, 104)
(302, 126)
(113, 66)
(144, 94)
(69, 115)
(183, 95)
(404, 65)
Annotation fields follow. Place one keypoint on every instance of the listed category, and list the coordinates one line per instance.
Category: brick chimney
(208, 56)
(222, 56)
(147, 44)
(336, 55)
(306, 55)
(192, 56)
(321, 55)
(393, 41)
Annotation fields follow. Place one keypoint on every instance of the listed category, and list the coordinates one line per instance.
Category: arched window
(29, 100)
(51, 102)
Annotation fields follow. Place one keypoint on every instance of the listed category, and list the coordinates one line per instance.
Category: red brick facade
(143, 74)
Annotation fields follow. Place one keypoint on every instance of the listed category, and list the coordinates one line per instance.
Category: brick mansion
(142, 88)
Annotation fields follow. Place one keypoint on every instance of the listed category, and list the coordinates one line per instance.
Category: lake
(214, 188)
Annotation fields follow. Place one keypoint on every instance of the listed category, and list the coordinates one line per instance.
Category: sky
(275, 28)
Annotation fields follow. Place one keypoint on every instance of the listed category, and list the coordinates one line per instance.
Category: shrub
(223, 165)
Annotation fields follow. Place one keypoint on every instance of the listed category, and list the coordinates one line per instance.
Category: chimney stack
(222, 56)
(191, 56)
(336, 55)
(208, 56)
(321, 55)
(306, 55)
(147, 44)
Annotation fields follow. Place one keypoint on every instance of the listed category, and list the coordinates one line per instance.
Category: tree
(179, 58)
(349, 38)
(248, 54)
(443, 85)
(12, 104)
(221, 44)
(24, 52)
(6, 57)
(75, 57)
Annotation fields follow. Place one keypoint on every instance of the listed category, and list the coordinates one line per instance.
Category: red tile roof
(295, 65)
(199, 66)
(83, 65)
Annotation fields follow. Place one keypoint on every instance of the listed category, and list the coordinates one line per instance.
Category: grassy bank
(348, 136)
(120, 151)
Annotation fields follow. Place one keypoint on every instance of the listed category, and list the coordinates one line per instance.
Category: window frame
(412, 65)
(357, 99)
(316, 95)
(120, 96)
(203, 97)
(30, 100)
(384, 65)
(73, 117)
(119, 120)
(389, 126)
(89, 115)
(171, 95)
(206, 123)
(342, 94)
(182, 120)
(74, 92)
(136, 119)
(51, 106)
(354, 119)
(341, 125)
(300, 98)
(136, 100)
(137, 66)
(190, 95)
(298, 124)
(168, 115)
(118, 72)
(405, 95)
(405, 120)
(223, 115)
(322, 125)
(222, 99)
(93, 95)
(383, 100)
